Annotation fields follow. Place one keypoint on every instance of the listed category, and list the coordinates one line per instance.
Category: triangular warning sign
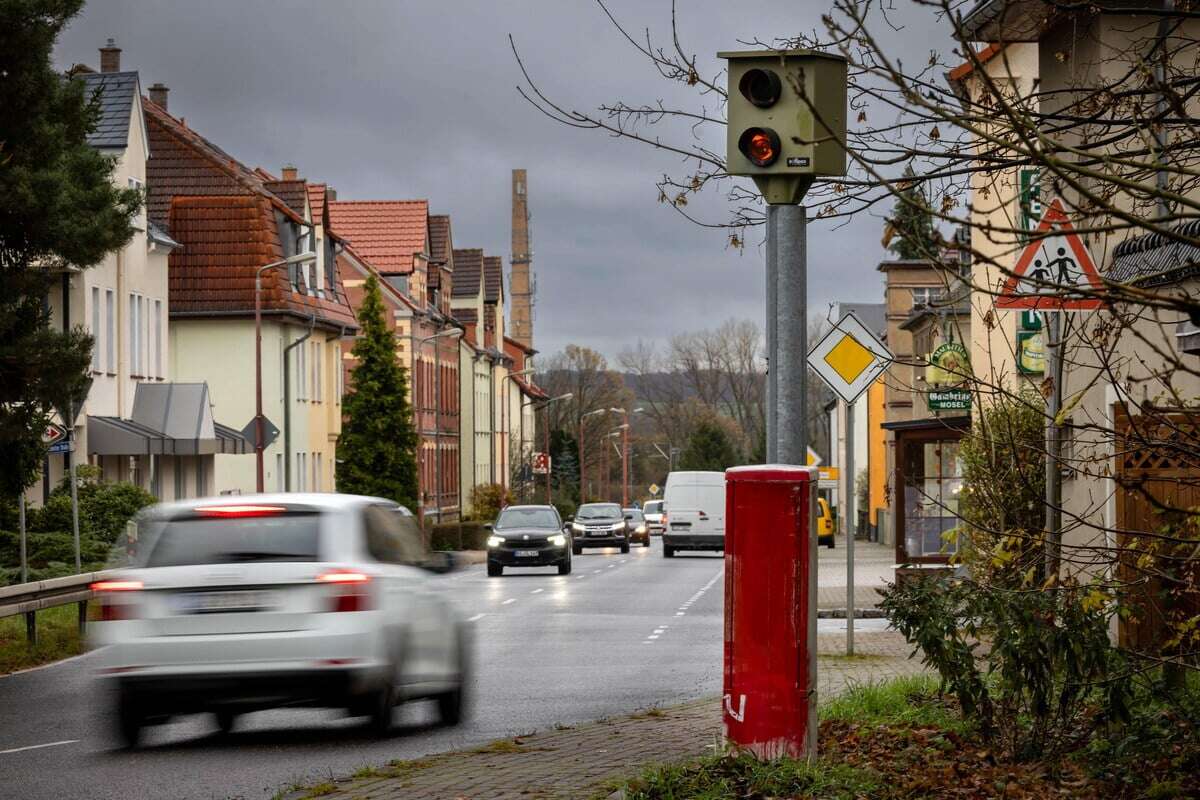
(1054, 263)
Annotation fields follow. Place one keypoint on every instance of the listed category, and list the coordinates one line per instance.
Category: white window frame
(96, 329)
(138, 222)
(110, 331)
(301, 374)
(158, 339)
(135, 364)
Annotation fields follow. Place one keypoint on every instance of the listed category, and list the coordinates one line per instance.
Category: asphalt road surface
(621, 632)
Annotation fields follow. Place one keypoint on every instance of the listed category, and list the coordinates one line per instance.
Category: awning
(1153, 259)
(170, 419)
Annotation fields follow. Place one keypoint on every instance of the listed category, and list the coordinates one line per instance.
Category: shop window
(932, 480)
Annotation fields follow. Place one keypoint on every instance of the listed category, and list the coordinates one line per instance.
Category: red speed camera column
(769, 702)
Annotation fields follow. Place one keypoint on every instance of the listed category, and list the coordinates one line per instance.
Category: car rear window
(236, 540)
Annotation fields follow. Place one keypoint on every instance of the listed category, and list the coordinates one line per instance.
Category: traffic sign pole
(1054, 371)
(849, 516)
(787, 225)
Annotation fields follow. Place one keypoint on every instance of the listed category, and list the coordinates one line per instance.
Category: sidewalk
(586, 761)
(874, 567)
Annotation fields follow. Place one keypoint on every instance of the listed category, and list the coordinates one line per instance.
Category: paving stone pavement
(585, 761)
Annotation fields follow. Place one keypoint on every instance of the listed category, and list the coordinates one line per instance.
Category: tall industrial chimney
(521, 283)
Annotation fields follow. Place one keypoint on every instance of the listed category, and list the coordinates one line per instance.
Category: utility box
(786, 119)
(769, 702)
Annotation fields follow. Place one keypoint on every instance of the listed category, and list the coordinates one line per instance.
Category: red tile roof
(316, 200)
(182, 162)
(493, 278)
(388, 233)
(294, 193)
(468, 271)
(225, 240)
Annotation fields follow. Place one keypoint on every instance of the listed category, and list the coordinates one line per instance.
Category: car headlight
(558, 540)
(495, 541)
(620, 526)
(641, 528)
(575, 526)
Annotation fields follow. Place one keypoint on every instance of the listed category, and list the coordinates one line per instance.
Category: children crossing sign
(1055, 270)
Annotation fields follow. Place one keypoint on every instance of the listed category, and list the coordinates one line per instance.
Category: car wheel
(130, 721)
(646, 543)
(226, 719)
(625, 547)
(564, 567)
(451, 704)
(830, 545)
(495, 570)
(383, 706)
(668, 551)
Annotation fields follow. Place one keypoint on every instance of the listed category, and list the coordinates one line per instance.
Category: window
(924, 295)
(95, 329)
(177, 465)
(133, 335)
(393, 536)
(932, 480)
(316, 472)
(110, 330)
(158, 339)
(301, 464)
(139, 222)
(141, 329)
(201, 478)
(301, 374)
(316, 372)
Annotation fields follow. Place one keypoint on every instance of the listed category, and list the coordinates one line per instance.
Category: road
(620, 633)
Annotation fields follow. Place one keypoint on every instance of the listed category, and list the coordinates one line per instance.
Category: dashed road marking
(476, 618)
(535, 591)
(509, 600)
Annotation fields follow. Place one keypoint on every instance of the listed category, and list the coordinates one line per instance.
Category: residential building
(135, 425)
(523, 399)
(392, 238)
(478, 363)
(924, 309)
(231, 221)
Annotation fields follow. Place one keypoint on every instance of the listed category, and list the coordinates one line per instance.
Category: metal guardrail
(26, 598)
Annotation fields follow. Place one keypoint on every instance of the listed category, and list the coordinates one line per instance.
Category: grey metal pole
(850, 519)
(1053, 328)
(772, 331)
(30, 616)
(790, 365)
(74, 494)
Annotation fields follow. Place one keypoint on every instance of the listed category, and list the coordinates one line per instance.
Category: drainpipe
(1160, 134)
(287, 405)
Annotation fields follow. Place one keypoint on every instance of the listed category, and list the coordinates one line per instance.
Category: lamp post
(546, 432)
(625, 458)
(607, 472)
(582, 460)
(504, 418)
(259, 438)
(437, 425)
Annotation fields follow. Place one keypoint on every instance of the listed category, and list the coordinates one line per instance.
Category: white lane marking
(610, 566)
(595, 572)
(476, 618)
(622, 561)
(37, 746)
(652, 636)
(580, 577)
(535, 591)
(680, 613)
(509, 600)
(647, 641)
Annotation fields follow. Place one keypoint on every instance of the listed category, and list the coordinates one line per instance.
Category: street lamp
(437, 425)
(546, 432)
(259, 438)
(607, 471)
(582, 460)
(625, 456)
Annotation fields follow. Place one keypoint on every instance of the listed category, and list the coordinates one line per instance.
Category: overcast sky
(417, 99)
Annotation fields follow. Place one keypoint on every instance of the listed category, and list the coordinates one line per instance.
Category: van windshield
(653, 507)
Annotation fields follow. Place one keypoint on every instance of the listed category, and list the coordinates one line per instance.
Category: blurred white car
(233, 605)
(653, 511)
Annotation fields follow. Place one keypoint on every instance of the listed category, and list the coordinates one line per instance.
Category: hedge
(457, 536)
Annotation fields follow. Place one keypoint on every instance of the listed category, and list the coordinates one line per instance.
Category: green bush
(1031, 668)
(487, 499)
(465, 535)
(1002, 499)
(104, 508)
(566, 508)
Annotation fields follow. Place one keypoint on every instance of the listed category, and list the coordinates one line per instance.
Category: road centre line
(476, 618)
(509, 600)
(37, 746)
(535, 591)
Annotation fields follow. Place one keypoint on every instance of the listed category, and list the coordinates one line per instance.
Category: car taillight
(351, 590)
(240, 510)
(118, 599)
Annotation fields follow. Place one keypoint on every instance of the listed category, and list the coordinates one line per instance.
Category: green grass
(912, 701)
(730, 776)
(58, 637)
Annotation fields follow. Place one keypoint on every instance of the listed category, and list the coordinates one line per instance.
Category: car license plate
(527, 553)
(224, 602)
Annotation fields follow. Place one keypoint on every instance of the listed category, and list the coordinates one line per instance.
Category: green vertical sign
(1030, 199)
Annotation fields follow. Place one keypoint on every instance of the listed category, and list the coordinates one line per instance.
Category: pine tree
(912, 221)
(708, 448)
(377, 451)
(564, 460)
(58, 207)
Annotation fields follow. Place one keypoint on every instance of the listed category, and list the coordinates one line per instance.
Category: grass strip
(58, 638)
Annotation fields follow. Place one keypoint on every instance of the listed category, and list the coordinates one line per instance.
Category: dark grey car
(528, 536)
(599, 525)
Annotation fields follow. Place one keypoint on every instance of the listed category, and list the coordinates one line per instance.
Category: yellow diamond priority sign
(849, 358)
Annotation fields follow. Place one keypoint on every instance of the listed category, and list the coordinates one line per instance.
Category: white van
(694, 506)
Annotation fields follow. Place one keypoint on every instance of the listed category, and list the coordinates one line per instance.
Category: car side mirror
(569, 520)
(487, 526)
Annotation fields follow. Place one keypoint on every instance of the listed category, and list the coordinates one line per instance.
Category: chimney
(289, 173)
(158, 95)
(331, 192)
(110, 57)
